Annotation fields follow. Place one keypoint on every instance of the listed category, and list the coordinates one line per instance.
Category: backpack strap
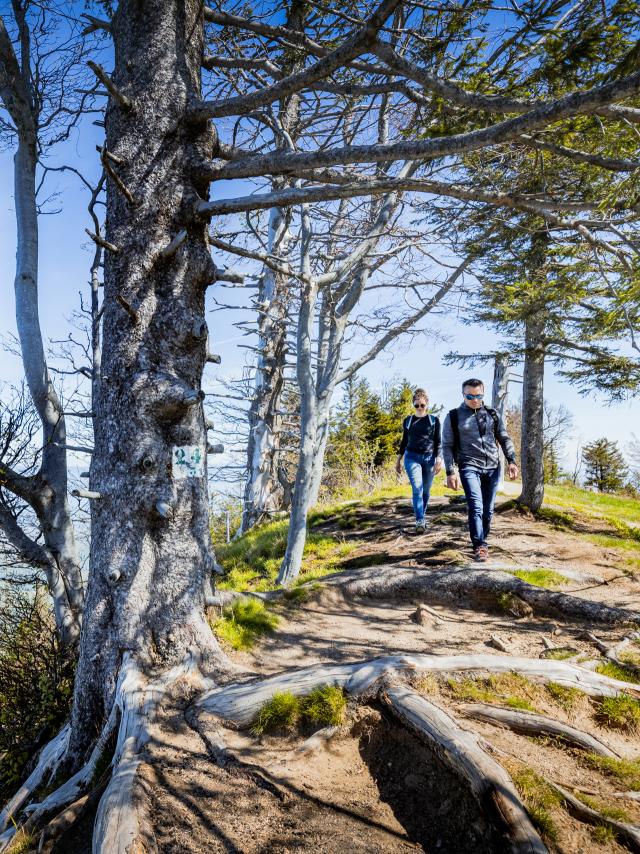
(496, 423)
(453, 420)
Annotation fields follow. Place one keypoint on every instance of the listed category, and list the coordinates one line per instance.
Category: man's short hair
(472, 383)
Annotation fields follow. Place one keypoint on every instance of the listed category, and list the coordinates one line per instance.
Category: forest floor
(367, 785)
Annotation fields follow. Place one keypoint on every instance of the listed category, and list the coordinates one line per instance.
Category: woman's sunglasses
(420, 405)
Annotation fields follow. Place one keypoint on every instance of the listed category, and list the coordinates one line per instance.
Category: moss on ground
(541, 577)
(324, 706)
(612, 811)
(243, 622)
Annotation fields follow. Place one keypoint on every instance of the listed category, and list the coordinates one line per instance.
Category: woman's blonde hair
(420, 394)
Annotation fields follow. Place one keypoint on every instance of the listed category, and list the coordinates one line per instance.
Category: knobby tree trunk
(532, 443)
(150, 544)
(46, 492)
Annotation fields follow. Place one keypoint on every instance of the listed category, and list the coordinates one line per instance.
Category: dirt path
(364, 788)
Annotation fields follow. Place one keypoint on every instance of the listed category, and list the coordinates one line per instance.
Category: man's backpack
(453, 420)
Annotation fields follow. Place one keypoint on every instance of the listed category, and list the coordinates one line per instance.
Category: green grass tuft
(559, 654)
(559, 519)
(617, 671)
(243, 622)
(565, 697)
(281, 712)
(538, 798)
(615, 812)
(541, 577)
(603, 834)
(620, 713)
(626, 771)
(324, 706)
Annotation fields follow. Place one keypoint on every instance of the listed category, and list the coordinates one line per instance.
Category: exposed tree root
(121, 824)
(459, 749)
(50, 758)
(628, 834)
(478, 586)
(611, 652)
(239, 703)
(533, 724)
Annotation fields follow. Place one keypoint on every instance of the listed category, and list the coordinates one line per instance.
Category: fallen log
(459, 749)
(529, 723)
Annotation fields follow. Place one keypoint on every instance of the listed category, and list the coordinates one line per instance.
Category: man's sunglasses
(420, 405)
(474, 396)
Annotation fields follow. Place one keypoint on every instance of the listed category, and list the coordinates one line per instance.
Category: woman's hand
(399, 465)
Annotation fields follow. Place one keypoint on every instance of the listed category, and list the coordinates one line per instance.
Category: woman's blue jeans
(480, 488)
(419, 467)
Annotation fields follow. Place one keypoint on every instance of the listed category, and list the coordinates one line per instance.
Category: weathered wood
(534, 724)
(489, 783)
(239, 703)
(48, 762)
(476, 586)
(628, 834)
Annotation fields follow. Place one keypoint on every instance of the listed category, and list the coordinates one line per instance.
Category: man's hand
(438, 466)
(513, 471)
(452, 481)
(399, 465)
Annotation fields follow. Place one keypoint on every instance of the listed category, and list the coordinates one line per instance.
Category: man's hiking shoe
(481, 554)
(421, 527)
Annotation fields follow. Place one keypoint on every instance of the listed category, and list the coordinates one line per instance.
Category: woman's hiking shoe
(481, 554)
(421, 527)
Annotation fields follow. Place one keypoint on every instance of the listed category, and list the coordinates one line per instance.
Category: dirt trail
(364, 789)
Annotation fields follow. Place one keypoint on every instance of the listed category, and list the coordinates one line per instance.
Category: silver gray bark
(532, 445)
(150, 543)
(46, 491)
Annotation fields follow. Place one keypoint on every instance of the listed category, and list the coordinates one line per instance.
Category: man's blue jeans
(480, 487)
(419, 467)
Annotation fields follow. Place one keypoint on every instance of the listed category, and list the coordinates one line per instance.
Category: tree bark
(499, 397)
(532, 448)
(150, 544)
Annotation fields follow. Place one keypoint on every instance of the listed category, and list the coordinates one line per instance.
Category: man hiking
(470, 438)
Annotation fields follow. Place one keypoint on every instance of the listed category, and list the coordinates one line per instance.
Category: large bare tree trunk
(263, 492)
(499, 397)
(150, 545)
(532, 415)
(46, 491)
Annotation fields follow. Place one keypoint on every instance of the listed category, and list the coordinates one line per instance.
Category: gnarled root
(533, 724)
(460, 750)
(629, 834)
(480, 586)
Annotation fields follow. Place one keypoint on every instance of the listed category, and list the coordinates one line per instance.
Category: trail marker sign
(187, 461)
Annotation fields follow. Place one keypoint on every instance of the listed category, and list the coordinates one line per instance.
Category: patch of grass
(243, 622)
(557, 518)
(603, 834)
(324, 706)
(538, 798)
(626, 771)
(620, 713)
(505, 689)
(541, 577)
(563, 696)
(622, 507)
(628, 656)
(428, 684)
(614, 812)
(559, 654)
(252, 561)
(299, 595)
(281, 712)
(617, 671)
(23, 842)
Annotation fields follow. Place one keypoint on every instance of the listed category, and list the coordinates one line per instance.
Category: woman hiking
(420, 448)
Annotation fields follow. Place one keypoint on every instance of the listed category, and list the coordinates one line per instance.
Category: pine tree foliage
(605, 468)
